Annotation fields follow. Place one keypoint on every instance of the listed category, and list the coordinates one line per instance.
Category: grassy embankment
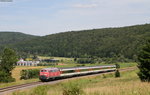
(16, 75)
(105, 84)
(16, 72)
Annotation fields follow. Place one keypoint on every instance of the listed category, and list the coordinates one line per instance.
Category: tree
(144, 64)
(7, 64)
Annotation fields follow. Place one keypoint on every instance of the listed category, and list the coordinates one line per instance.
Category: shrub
(104, 76)
(117, 73)
(72, 89)
(40, 90)
(29, 73)
(117, 66)
(5, 78)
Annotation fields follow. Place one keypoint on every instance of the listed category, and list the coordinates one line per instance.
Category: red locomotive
(53, 73)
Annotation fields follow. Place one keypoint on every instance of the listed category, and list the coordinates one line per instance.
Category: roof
(50, 68)
(86, 67)
(75, 68)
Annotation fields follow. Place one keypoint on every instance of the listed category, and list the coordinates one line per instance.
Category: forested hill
(106, 42)
(7, 38)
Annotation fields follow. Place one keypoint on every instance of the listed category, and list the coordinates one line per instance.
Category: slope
(107, 42)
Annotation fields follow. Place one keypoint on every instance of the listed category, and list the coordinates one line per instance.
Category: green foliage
(85, 60)
(118, 44)
(9, 38)
(123, 42)
(104, 76)
(117, 66)
(72, 88)
(117, 73)
(144, 65)
(29, 74)
(7, 64)
(13, 37)
(40, 90)
(8, 61)
(47, 64)
(5, 77)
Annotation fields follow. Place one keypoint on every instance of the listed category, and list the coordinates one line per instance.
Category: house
(21, 62)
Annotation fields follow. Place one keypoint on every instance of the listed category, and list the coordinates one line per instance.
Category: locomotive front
(44, 75)
(49, 73)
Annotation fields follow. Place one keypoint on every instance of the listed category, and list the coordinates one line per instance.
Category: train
(47, 74)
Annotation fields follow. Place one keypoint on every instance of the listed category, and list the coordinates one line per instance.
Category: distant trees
(7, 64)
(85, 60)
(144, 65)
(104, 43)
(118, 44)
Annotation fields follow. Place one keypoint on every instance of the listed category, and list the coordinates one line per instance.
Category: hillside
(108, 42)
(7, 38)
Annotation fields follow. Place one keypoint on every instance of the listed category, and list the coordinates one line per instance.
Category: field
(105, 84)
(16, 71)
(16, 75)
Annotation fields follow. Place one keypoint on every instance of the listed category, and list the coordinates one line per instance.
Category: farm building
(21, 62)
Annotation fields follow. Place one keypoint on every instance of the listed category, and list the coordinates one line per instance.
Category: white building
(21, 62)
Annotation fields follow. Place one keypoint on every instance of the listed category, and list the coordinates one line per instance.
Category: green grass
(105, 84)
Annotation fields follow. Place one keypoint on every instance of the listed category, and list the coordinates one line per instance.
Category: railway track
(18, 86)
(34, 84)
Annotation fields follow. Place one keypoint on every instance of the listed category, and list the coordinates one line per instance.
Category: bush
(40, 90)
(117, 73)
(117, 66)
(5, 78)
(72, 89)
(29, 73)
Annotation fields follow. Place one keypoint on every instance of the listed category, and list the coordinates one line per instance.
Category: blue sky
(43, 17)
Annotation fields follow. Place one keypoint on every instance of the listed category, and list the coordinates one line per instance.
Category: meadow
(104, 84)
(16, 71)
(16, 75)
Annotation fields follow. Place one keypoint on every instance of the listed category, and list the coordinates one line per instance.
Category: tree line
(104, 43)
(124, 42)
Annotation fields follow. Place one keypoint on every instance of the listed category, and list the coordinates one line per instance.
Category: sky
(44, 17)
